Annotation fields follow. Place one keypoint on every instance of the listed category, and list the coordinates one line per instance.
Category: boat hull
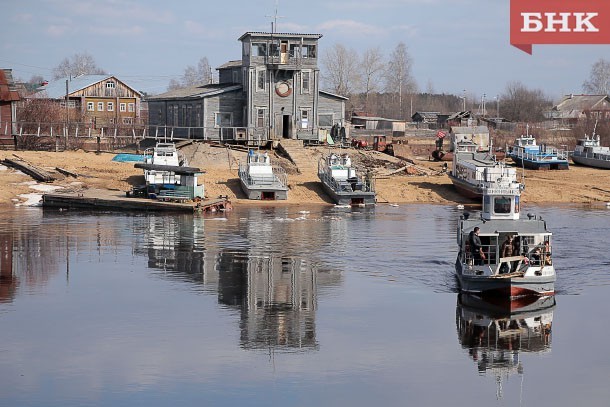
(264, 193)
(541, 165)
(466, 189)
(350, 198)
(591, 162)
(505, 286)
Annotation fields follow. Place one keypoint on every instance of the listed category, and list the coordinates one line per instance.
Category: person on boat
(476, 248)
(547, 254)
(506, 251)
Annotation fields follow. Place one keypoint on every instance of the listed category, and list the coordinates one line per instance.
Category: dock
(98, 199)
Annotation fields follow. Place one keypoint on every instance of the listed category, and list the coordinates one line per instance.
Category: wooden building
(573, 108)
(101, 99)
(273, 92)
(8, 102)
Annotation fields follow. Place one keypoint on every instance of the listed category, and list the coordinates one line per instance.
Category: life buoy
(283, 89)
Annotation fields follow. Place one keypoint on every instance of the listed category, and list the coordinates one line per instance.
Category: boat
(165, 154)
(260, 180)
(526, 153)
(475, 168)
(342, 183)
(496, 336)
(589, 152)
(522, 269)
(167, 175)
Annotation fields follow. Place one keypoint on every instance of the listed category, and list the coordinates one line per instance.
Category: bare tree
(76, 65)
(599, 79)
(372, 68)
(398, 78)
(340, 70)
(519, 103)
(199, 75)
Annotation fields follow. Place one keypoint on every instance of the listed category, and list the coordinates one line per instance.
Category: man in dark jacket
(476, 249)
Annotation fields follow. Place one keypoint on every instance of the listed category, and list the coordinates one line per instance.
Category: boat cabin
(341, 167)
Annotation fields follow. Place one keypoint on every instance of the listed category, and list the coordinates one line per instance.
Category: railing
(596, 156)
(545, 154)
(277, 177)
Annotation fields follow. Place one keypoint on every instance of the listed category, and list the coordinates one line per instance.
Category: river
(289, 305)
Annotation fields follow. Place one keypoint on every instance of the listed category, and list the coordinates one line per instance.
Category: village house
(271, 93)
(8, 103)
(102, 100)
(574, 108)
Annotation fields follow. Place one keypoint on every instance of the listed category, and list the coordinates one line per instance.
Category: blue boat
(526, 153)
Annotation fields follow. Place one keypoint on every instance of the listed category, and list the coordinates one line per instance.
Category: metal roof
(266, 34)
(57, 89)
(230, 64)
(333, 95)
(516, 226)
(200, 91)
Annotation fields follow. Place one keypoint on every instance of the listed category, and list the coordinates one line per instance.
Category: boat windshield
(502, 204)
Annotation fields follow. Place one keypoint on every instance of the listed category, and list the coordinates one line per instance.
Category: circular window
(283, 88)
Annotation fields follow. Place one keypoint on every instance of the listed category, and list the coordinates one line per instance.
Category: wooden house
(573, 108)
(271, 93)
(101, 99)
(8, 102)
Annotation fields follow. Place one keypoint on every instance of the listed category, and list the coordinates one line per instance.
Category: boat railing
(545, 154)
(278, 176)
(596, 156)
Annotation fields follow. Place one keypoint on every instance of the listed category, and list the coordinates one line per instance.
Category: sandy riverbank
(577, 185)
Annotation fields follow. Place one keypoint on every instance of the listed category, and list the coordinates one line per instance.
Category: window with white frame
(100, 106)
(306, 81)
(223, 119)
(123, 107)
(261, 114)
(90, 107)
(131, 107)
(110, 85)
(261, 78)
(110, 106)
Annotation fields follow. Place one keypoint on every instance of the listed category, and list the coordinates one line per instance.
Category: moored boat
(163, 154)
(589, 152)
(342, 183)
(475, 168)
(501, 254)
(525, 152)
(260, 180)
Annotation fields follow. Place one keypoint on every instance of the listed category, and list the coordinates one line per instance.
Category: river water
(289, 306)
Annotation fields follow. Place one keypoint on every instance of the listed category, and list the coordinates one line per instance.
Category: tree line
(378, 85)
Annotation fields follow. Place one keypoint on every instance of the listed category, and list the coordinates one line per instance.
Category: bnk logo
(559, 22)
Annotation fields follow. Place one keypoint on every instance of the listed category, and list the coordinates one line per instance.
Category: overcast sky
(456, 45)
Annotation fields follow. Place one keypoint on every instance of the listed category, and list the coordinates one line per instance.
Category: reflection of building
(8, 281)
(252, 269)
(496, 333)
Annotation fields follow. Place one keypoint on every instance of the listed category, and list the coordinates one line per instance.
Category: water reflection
(496, 333)
(275, 293)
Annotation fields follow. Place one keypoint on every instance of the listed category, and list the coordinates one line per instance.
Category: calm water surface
(274, 306)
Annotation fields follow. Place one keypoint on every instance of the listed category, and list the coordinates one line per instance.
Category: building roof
(230, 64)
(8, 89)
(469, 130)
(372, 118)
(284, 35)
(57, 89)
(199, 91)
(583, 102)
(333, 95)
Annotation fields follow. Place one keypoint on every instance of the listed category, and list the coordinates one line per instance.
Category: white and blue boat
(526, 153)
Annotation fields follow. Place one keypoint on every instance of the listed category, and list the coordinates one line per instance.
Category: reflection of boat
(260, 180)
(341, 182)
(589, 152)
(516, 253)
(474, 167)
(496, 334)
(526, 153)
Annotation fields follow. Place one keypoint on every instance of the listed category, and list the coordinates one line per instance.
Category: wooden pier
(98, 199)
